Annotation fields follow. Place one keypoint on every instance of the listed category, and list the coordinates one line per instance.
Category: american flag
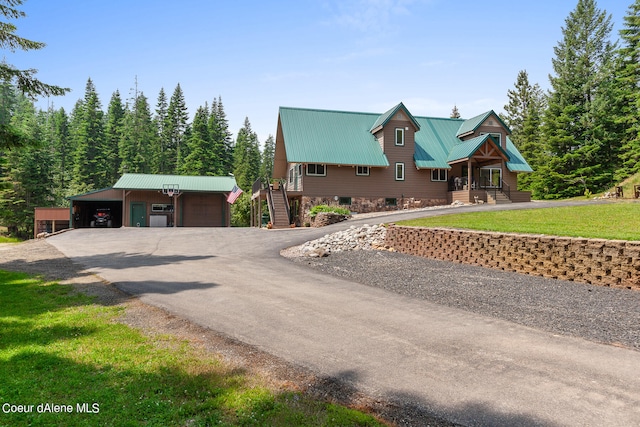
(235, 193)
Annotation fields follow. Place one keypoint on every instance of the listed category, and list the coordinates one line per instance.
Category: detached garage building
(141, 200)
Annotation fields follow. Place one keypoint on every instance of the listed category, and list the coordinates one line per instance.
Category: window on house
(496, 136)
(391, 201)
(290, 175)
(399, 136)
(438, 175)
(344, 200)
(399, 171)
(362, 170)
(315, 169)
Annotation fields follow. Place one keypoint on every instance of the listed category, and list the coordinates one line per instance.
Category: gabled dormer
(488, 123)
(395, 128)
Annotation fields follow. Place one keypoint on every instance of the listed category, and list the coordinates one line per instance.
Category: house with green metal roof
(374, 162)
(145, 200)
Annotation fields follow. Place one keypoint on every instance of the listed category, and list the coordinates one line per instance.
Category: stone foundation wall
(363, 205)
(613, 263)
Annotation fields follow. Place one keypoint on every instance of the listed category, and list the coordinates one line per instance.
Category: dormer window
(496, 136)
(399, 136)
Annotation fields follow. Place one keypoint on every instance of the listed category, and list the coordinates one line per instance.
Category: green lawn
(615, 220)
(59, 348)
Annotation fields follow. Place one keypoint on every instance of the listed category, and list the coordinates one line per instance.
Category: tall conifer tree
(627, 90)
(163, 141)
(113, 135)
(89, 157)
(246, 157)
(201, 159)
(579, 150)
(268, 152)
(177, 120)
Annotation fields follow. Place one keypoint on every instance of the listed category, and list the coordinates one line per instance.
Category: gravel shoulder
(599, 314)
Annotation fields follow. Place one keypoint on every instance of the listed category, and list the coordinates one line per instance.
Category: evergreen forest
(581, 136)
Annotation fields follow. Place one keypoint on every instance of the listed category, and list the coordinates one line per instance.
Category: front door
(491, 177)
(138, 215)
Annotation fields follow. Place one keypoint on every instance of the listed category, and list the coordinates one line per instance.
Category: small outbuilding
(144, 200)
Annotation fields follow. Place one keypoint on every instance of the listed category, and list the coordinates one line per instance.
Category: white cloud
(368, 15)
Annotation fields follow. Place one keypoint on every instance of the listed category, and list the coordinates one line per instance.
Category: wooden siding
(495, 128)
(280, 155)
(109, 194)
(343, 182)
(191, 210)
(52, 214)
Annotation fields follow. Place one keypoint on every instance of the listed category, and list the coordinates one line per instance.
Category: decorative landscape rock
(328, 218)
(367, 237)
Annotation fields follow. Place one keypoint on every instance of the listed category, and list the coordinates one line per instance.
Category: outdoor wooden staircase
(497, 198)
(278, 208)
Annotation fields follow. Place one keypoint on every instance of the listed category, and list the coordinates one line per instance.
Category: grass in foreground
(616, 220)
(66, 354)
(5, 239)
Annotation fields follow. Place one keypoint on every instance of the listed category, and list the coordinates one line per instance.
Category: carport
(84, 207)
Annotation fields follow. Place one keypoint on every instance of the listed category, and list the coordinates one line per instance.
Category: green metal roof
(433, 142)
(345, 138)
(384, 118)
(330, 137)
(212, 184)
(466, 149)
(516, 162)
(473, 123)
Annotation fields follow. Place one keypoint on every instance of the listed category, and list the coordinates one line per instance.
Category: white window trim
(401, 178)
(395, 135)
(324, 168)
(363, 174)
(495, 135)
(446, 174)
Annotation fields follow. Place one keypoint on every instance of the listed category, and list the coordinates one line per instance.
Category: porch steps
(281, 219)
(499, 199)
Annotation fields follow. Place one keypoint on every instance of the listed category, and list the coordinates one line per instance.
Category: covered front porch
(480, 173)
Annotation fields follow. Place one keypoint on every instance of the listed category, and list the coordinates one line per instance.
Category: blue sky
(354, 55)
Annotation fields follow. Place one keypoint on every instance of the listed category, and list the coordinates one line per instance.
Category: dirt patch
(39, 258)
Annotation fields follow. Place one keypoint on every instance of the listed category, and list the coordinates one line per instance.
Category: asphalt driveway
(464, 367)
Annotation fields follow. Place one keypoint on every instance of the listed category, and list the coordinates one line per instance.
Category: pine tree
(455, 114)
(163, 141)
(201, 159)
(113, 134)
(523, 116)
(89, 158)
(246, 157)
(61, 152)
(221, 138)
(138, 137)
(29, 173)
(627, 91)
(177, 119)
(579, 150)
(10, 41)
(524, 100)
(268, 152)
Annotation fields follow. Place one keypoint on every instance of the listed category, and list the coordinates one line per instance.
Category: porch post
(469, 176)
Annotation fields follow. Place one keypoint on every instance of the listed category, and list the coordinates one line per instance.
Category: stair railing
(283, 190)
(506, 189)
(270, 203)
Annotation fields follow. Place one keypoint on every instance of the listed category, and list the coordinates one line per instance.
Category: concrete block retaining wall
(613, 263)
